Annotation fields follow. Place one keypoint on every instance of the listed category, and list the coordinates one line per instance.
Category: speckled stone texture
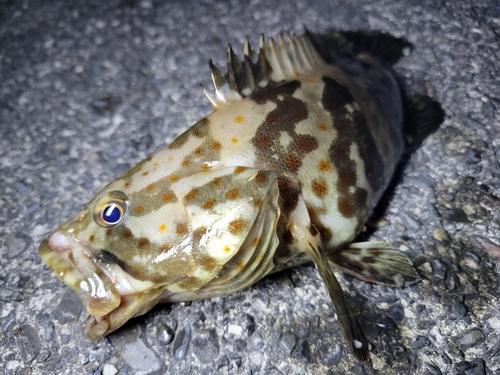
(89, 88)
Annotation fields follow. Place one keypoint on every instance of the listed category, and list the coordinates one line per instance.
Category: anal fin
(376, 262)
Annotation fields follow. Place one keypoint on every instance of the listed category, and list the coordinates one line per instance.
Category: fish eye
(111, 209)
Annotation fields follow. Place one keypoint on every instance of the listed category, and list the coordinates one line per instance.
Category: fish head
(136, 244)
(120, 252)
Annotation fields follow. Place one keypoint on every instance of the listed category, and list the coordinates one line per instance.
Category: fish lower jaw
(109, 294)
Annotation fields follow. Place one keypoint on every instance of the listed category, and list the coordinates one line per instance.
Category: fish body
(304, 138)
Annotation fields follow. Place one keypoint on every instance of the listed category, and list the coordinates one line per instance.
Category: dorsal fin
(275, 62)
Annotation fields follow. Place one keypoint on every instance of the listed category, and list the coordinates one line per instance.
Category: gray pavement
(89, 88)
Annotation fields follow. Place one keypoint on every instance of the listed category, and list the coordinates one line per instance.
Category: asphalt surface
(89, 88)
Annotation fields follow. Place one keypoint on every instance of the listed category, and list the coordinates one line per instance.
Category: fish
(305, 136)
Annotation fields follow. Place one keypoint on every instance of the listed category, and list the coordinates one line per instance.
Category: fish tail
(422, 116)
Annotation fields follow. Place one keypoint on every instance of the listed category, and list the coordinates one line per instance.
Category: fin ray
(376, 262)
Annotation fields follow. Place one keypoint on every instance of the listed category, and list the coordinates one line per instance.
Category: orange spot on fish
(239, 119)
(170, 158)
(156, 164)
(311, 80)
(322, 127)
(234, 140)
(150, 187)
(205, 167)
(145, 173)
(91, 238)
(198, 151)
(186, 162)
(174, 178)
(162, 227)
(227, 249)
(323, 165)
(139, 209)
(238, 170)
(126, 184)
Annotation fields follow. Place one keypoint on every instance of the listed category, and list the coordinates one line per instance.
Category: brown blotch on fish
(260, 178)
(289, 195)
(126, 184)
(91, 238)
(306, 143)
(216, 146)
(191, 284)
(109, 231)
(198, 151)
(191, 195)
(181, 229)
(256, 202)
(233, 194)
(168, 198)
(199, 233)
(237, 226)
(216, 181)
(145, 173)
(150, 187)
(186, 162)
(209, 204)
(292, 163)
(262, 141)
(239, 170)
(207, 262)
(312, 230)
(174, 178)
(200, 129)
(320, 188)
(138, 209)
(127, 233)
(142, 242)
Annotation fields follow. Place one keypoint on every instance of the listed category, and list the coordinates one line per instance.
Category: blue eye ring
(112, 213)
(111, 209)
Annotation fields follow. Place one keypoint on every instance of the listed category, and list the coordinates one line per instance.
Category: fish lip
(119, 296)
(72, 262)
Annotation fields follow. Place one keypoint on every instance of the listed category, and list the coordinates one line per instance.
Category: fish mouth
(109, 294)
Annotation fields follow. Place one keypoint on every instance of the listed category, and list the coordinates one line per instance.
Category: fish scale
(304, 138)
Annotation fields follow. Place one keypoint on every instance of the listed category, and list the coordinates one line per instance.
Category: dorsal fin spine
(275, 62)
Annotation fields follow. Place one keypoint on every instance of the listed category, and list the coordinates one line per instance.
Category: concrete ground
(89, 88)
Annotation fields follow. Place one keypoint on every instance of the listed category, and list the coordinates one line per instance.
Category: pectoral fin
(309, 238)
(376, 262)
